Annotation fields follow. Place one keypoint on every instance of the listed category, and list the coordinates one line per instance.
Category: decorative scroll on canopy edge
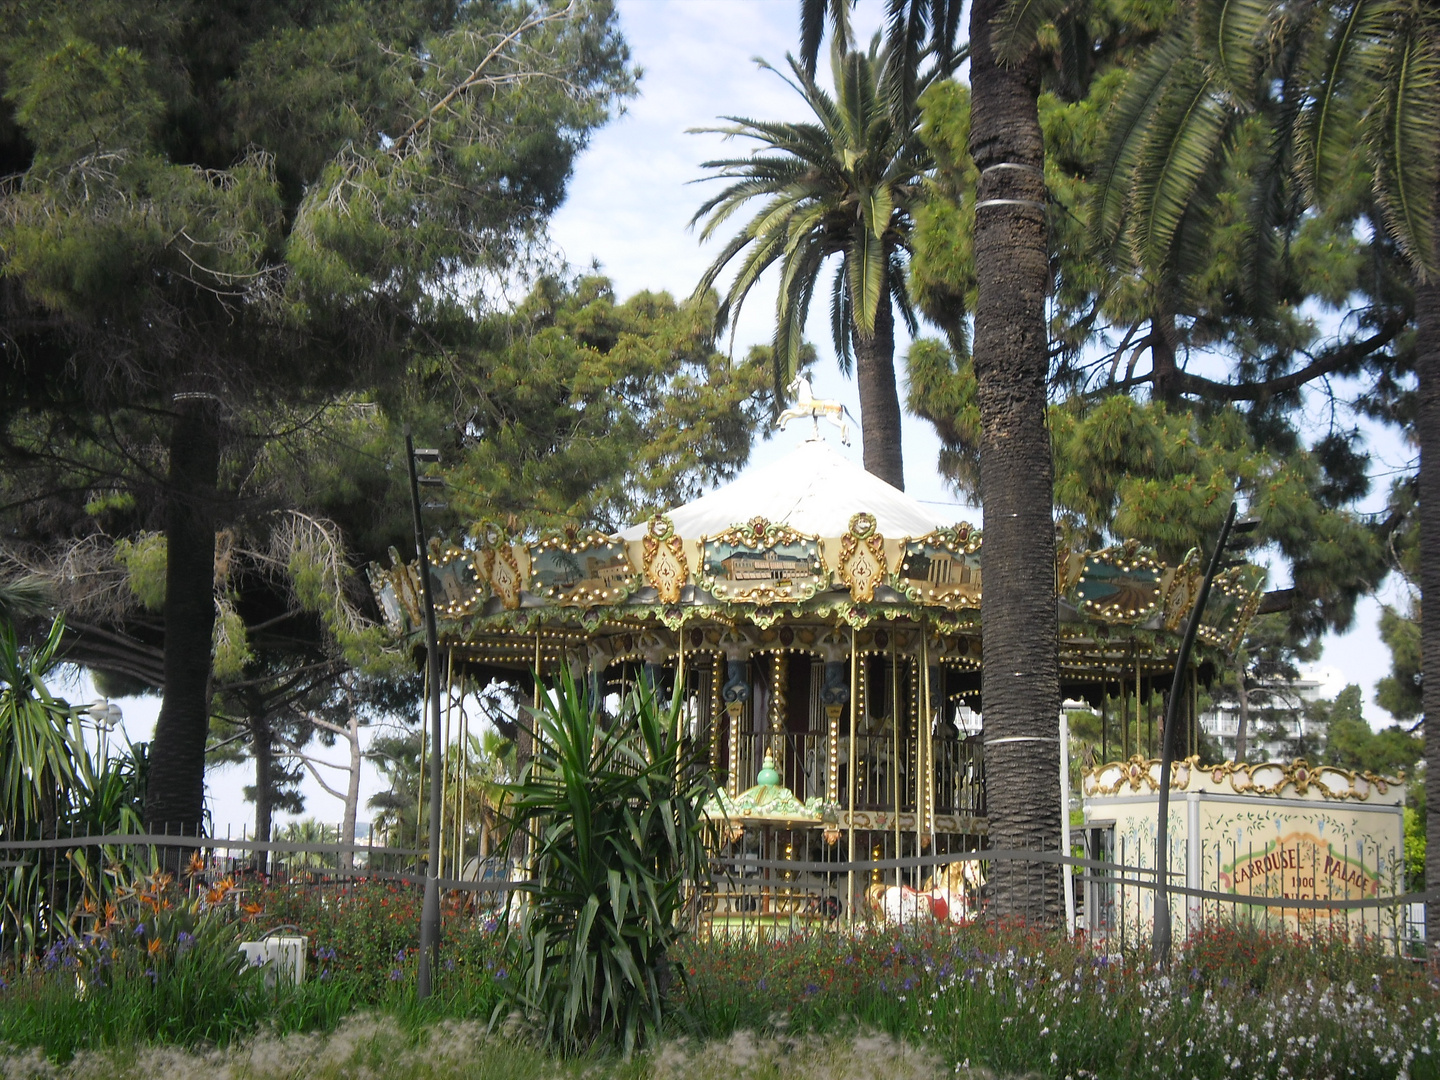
(665, 566)
(861, 565)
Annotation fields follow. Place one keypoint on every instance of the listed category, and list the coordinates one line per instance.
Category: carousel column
(853, 761)
(933, 694)
(779, 683)
(736, 694)
(835, 695)
(714, 684)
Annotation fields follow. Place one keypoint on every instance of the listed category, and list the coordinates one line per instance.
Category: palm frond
(23, 597)
(1234, 33)
(1129, 122)
(1181, 145)
(840, 319)
(1349, 75)
(1408, 137)
(867, 263)
(1014, 32)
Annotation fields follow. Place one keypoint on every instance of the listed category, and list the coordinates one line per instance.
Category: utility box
(282, 957)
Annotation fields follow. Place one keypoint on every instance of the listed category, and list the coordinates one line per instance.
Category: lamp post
(1160, 939)
(430, 911)
(106, 715)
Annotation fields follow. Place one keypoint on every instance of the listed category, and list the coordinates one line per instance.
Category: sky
(630, 202)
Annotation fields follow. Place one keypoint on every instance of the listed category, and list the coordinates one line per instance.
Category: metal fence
(1111, 898)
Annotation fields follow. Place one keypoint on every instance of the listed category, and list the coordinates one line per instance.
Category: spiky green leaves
(612, 806)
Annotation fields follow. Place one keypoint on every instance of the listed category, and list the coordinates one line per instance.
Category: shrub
(613, 813)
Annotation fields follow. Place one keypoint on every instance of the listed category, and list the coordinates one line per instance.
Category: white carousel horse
(953, 894)
(808, 405)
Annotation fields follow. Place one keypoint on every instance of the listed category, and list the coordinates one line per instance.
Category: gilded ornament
(666, 568)
(862, 558)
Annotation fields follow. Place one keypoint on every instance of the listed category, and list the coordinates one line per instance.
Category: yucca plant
(612, 810)
(37, 748)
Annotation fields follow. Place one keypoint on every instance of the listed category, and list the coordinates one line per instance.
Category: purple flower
(396, 975)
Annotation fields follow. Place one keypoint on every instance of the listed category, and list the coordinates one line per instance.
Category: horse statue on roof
(807, 404)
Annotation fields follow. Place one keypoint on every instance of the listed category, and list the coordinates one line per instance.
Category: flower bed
(984, 999)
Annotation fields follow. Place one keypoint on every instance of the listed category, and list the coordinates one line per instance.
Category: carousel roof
(812, 539)
(814, 489)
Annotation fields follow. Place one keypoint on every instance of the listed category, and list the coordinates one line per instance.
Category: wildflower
(396, 975)
(195, 866)
(155, 946)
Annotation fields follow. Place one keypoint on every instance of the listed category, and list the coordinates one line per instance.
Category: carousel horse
(952, 894)
(808, 405)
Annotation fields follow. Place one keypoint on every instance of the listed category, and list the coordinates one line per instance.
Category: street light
(106, 716)
(1160, 938)
(430, 911)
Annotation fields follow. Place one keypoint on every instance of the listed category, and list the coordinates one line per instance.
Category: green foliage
(23, 597)
(612, 806)
(1415, 844)
(582, 410)
(1018, 1002)
(1350, 742)
(1399, 692)
(144, 560)
(37, 749)
(1165, 476)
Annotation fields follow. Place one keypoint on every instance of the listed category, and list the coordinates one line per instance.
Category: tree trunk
(262, 748)
(1427, 426)
(1165, 371)
(1242, 697)
(879, 398)
(352, 792)
(175, 798)
(1020, 680)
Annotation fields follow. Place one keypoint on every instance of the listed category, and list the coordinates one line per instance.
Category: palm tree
(1370, 71)
(1020, 681)
(841, 186)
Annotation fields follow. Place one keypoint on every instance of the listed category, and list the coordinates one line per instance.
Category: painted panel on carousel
(761, 563)
(1120, 584)
(585, 570)
(1232, 601)
(942, 568)
(455, 582)
(396, 590)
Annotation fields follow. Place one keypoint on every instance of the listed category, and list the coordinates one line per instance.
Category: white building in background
(1278, 718)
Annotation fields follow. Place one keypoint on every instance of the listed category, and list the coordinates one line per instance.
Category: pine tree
(219, 212)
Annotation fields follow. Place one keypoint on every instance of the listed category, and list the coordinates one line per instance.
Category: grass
(976, 1001)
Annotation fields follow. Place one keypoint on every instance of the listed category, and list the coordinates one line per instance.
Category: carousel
(823, 629)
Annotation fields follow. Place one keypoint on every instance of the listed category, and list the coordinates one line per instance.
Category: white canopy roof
(814, 489)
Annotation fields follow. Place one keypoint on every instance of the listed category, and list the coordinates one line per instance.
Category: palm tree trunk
(879, 399)
(1020, 680)
(1427, 427)
(175, 798)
